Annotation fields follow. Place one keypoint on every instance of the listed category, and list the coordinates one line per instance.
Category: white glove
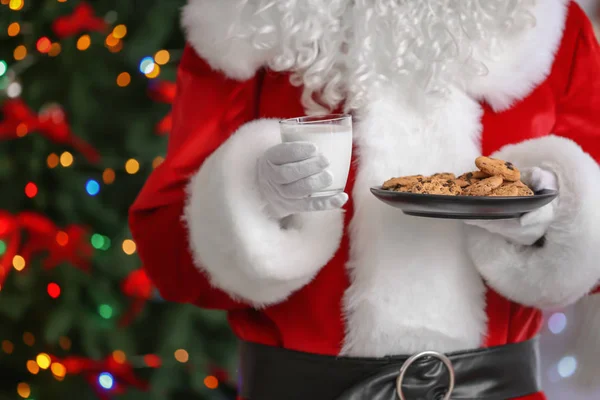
(289, 173)
(532, 226)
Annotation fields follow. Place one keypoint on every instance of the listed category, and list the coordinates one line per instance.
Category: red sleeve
(207, 110)
(578, 109)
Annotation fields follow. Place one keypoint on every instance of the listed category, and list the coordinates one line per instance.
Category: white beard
(339, 50)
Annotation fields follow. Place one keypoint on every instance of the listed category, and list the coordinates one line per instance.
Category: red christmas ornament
(163, 92)
(83, 19)
(138, 286)
(51, 123)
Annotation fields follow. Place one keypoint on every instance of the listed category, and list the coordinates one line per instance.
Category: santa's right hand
(289, 173)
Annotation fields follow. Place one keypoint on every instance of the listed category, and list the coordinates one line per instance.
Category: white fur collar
(512, 76)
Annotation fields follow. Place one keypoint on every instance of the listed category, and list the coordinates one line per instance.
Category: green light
(100, 242)
(3, 67)
(105, 311)
(106, 244)
(2, 247)
(97, 241)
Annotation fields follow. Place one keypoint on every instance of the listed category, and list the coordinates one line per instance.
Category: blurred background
(85, 93)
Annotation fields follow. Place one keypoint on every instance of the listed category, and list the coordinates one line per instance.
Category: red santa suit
(368, 281)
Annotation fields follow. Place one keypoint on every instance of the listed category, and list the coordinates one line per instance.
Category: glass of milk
(332, 134)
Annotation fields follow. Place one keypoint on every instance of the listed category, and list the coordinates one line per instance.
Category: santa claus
(343, 297)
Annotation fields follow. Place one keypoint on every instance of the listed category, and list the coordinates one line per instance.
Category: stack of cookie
(494, 178)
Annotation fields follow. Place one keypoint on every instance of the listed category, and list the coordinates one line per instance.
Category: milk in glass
(333, 139)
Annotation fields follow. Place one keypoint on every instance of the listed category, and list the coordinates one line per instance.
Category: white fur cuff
(243, 251)
(566, 268)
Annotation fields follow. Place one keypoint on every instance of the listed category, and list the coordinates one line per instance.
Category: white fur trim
(210, 29)
(245, 253)
(587, 342)
(413, 285)
(567, 267)
(527, 62)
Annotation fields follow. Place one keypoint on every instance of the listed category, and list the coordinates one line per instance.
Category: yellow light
(43, 360)
(182, 356)
(7, 346)
(14, 29)
(52, 160)
(123, 79)
(120, 31)
(20, 52)
(162, 57)
(32, 367)
(157, 161)
(28, 339)
(132, 166)
(84, 42)
(66, 159)
(111, 40)
(18, 262)
(154, 73)
(58, 369)
(64, 343)
(108, 176)
(129, 247)
(16, 5)
(62, 1)
(23, 390)
(119, 356)
(54, 50)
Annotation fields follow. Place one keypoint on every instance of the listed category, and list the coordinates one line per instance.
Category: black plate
(464, 207)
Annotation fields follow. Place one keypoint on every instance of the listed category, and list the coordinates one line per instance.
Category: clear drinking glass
(332, 134)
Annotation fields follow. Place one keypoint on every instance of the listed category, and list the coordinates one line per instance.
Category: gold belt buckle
(434, 354)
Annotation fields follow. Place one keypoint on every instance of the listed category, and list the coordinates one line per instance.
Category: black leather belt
(497, 373)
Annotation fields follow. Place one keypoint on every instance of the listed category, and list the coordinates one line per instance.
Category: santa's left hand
(531, 227)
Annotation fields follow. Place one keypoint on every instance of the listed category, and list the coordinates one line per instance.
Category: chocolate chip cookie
(484, 187)
(437, 186)
(496, 167)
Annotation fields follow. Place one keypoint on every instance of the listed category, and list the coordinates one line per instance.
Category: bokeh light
(557, 323)
(129, 247)
(18, 262)
(211, 382)
(23, 390)
(14, 29)
(66, 159)
(53, 290)
(105, 311)
(182, 356)
(92, 187)
(132, 166)
(84, 42)
(32, 367)
(20, 52)
(31, 190)
(162, 57)
(108, 176)
(28, 339)
(43, 45)
(106, 380)
(123, 79)
(43, 360)
(567, 366)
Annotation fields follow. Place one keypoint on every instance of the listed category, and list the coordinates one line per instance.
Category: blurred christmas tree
(84, 93)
